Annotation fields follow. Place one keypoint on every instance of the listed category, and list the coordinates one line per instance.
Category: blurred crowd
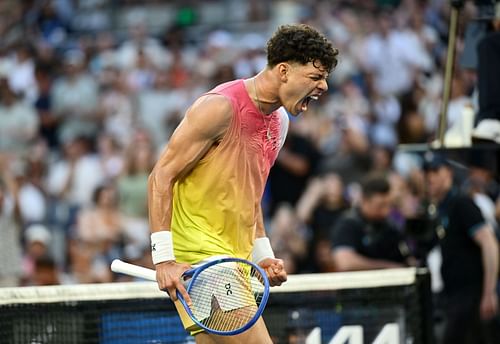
(90, 92)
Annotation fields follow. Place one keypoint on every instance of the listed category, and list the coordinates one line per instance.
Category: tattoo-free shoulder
(212, 113)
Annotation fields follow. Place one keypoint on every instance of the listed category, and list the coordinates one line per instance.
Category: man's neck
(443, 196)
(267, 86)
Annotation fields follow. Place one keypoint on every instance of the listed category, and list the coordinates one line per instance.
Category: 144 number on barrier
(353, 334)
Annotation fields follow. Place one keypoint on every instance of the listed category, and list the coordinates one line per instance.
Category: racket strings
(226, 296)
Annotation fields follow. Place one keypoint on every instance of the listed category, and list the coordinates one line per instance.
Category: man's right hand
(169, 278)
(489, 305)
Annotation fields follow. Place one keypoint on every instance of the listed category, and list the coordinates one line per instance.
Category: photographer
(364, 238)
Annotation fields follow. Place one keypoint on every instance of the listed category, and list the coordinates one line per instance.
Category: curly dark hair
(302, 44)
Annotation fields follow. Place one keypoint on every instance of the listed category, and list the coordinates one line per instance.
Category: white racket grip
(133, 270)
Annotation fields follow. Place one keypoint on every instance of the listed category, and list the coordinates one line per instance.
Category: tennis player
(205, 190)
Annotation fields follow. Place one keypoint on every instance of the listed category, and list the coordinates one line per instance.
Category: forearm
(260, 231)
(489, 252)
(160, 195)
(160, 216)
(262, 246)
(13, 188)
(351, 261)
(487, 242)
(309, 200)
(66, 188)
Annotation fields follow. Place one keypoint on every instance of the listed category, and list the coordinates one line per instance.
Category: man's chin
(294, 113)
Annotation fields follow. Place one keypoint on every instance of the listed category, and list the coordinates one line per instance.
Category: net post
(423, 282)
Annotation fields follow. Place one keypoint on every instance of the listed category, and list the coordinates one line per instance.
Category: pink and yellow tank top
(215, 206)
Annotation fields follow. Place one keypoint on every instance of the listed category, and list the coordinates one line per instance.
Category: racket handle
(133, 270)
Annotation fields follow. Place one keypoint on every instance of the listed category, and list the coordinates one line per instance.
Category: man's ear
(283, 70)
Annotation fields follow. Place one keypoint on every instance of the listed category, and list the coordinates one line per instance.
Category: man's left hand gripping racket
(228, 295)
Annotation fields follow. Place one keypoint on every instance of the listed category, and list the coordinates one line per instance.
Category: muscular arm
(260, 230)
(486, 240)
(204, 124)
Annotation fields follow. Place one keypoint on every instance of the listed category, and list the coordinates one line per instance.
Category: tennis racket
(228, 295)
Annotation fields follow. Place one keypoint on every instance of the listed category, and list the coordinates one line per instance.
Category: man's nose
(323, 85)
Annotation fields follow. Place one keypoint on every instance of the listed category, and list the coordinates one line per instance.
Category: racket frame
(193, 273)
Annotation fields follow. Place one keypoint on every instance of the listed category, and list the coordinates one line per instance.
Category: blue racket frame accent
(193, 273)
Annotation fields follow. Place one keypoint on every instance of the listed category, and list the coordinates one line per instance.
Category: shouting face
(301, 84)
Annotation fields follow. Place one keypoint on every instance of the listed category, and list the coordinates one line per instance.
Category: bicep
(484, 235)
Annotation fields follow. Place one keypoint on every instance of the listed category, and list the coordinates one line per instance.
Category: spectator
(50, 24)
(140, 76)
(289, 237)
(18, 120)
(37, 163)
(350, 159)
(160, 108)
(43, 104)
(132, 184)
(110, 156)
(381, 157)
(320, 207)
(10, 244)
(37, 245)
(101, 226)
(73, 178)
(393, 56)
(22, 73)
(386, 111)
(32, 202)
(45, 272)
(98, 238)
(132, 188)
(363, 238)
(74, 98)
(116, 107)
(350, 102)
(469, 259)
(140, 43)
(322, 203)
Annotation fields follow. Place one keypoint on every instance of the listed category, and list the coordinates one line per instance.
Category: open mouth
(305, 102)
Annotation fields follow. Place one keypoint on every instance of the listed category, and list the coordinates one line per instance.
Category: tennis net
(385, 306)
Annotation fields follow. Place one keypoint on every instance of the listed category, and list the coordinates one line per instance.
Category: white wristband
(162, 248)
(261, 250)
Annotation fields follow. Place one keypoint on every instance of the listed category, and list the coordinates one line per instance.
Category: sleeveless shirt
(215, 206)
